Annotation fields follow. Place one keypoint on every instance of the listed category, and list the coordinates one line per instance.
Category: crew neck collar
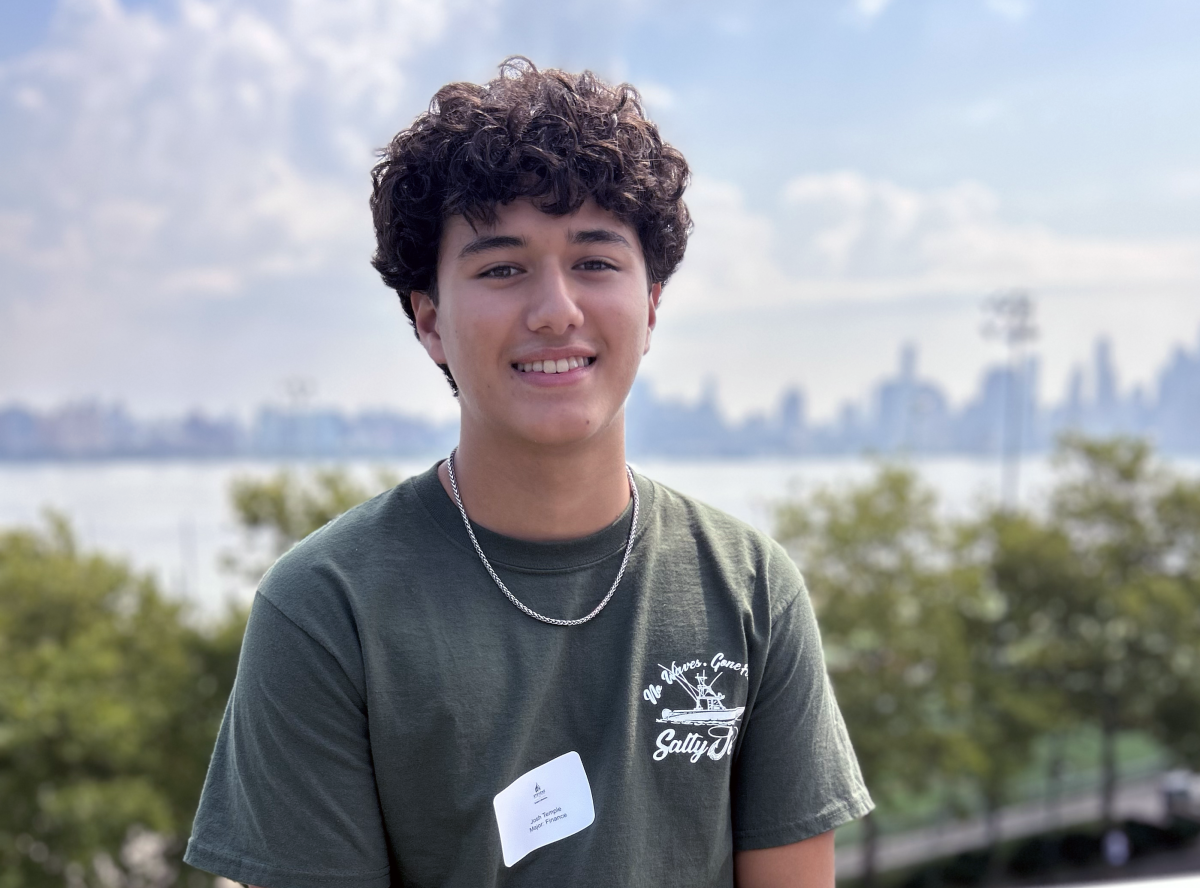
(528, 555)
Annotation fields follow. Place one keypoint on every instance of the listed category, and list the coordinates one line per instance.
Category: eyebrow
(490, 242)
(598, 236)
(485, 243)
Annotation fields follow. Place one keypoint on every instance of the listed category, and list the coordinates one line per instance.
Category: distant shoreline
(326, 459)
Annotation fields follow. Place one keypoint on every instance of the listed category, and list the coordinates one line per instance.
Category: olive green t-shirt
(388, 691)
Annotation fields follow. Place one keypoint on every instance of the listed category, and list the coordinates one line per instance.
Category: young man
(528, 665)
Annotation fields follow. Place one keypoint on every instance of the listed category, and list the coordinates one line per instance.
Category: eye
(596, 265)
(499, 271)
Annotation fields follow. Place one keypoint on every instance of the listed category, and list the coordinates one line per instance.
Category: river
(173, 519)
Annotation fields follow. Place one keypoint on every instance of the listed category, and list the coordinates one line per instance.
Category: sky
(183, 188)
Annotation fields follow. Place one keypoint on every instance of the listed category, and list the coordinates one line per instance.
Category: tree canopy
(109, 701)
(111, 695)
(955, 646)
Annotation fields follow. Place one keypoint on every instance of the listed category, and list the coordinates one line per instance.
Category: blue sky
(183, 183)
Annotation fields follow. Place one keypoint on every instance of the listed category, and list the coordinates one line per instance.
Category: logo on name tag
(709, 727)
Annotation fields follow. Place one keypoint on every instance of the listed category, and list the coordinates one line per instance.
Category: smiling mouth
(562, 365)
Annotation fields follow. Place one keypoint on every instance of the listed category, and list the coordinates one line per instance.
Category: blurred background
(938, 330)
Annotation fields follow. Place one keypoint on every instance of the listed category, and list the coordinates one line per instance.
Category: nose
(554, 307)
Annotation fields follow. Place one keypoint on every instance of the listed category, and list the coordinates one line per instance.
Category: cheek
(636, 326)
(626, 338)
(474, 335)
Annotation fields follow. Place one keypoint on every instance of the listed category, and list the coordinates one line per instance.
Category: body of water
(174, 519)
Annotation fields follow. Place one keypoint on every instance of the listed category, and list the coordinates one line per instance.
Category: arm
(290, 797)
(795, 778)
(804, 864)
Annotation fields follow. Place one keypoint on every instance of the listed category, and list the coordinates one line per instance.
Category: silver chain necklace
(499, 582)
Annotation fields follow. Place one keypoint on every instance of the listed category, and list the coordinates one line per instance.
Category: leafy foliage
(954, 647)
(111, 696)
(893, 643)
(1125, 634)
(896, 653)
(109, 702)
(287, 507)
(1008, 570)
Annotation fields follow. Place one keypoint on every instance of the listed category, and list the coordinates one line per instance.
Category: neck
(541, 493)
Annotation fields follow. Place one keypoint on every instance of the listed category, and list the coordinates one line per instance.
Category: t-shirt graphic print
(709, 727)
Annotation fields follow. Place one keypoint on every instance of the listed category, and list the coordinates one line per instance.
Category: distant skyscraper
(1106, 377)
(793, 419)
(1176, 423)
(1106, 411)
(1074, 406)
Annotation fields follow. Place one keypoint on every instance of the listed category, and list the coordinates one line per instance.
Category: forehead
(522, 219)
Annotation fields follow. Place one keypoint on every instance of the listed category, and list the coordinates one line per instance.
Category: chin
(562, 431)
(560, 437)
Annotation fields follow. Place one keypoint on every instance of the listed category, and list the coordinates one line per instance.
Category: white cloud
(202, 281)
(822, 289)
(730, 254)
(871, 8)
(1013, 10)
(984, 113)
(1181, 184)
(159, 168)
(233, 137)
(658, 96)
(842, 235)
(957, 239)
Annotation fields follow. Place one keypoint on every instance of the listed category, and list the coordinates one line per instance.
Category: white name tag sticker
(543, 806)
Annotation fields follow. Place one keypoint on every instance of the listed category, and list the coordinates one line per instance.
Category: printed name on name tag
(544, 805)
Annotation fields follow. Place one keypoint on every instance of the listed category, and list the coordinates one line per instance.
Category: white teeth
(562, 365)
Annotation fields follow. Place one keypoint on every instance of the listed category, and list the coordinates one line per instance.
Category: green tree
(109, 703)
(873, 555)
(1120, 624)
(1176, 713)
(111, 696)
(1010, 570)
(287, 506)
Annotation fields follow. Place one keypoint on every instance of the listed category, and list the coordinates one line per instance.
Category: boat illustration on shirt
(709, 709)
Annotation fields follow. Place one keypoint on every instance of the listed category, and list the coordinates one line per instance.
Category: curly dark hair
(551, 136)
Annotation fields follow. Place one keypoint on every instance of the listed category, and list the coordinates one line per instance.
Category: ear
(655, 297)
(425, 317)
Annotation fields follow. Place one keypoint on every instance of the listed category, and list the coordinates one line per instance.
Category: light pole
(1008, 316)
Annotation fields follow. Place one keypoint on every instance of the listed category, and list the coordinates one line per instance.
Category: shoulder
(344, 542)
(733, 547)
(323, 582)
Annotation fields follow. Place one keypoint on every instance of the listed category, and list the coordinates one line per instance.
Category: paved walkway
(1136, 800)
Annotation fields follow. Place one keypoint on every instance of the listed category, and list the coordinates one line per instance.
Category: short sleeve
(796, 774)
(290, 798)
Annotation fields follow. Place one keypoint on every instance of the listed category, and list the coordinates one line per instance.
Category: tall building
(1176, 415)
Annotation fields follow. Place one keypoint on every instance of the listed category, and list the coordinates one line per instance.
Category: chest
(653, 696)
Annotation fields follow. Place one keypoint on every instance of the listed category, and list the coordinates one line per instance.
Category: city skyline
(903, 413)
